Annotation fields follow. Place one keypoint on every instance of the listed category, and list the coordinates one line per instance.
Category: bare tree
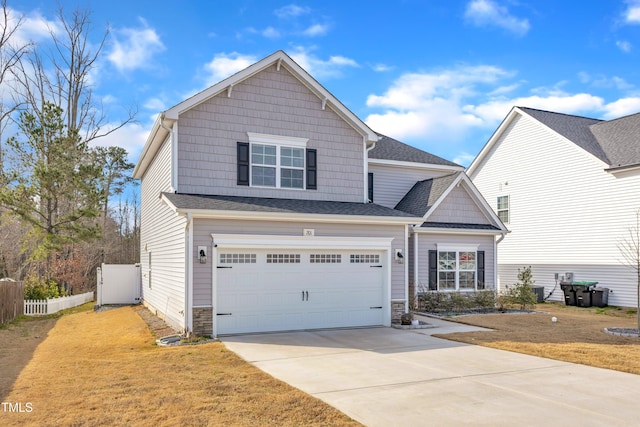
(630, 249)
(72, 59)
(10, 55)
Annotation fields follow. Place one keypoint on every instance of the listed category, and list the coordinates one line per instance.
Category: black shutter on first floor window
(480, 262)
(370, 185)
(243, 163)
(312, 169)
(433, 270)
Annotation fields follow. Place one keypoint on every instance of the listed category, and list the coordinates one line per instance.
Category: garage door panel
(310, 289)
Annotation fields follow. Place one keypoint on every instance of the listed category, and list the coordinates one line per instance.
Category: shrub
(520, 294)
(456, 302)
(36, 288)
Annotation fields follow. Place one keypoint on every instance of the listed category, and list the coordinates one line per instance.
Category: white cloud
(464, 158)
(155, 104)
(131, 137)
(622, 107)
(134, 48)
(381, 68)
(224, 65)
(319, 68)
(448, 106)
(624, 46)
(485, 13)
(316, 30)
(291, 10)
(271, 33)
(631, 15)
(33, 27)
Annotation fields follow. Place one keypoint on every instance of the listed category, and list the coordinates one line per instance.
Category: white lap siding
(162, 235)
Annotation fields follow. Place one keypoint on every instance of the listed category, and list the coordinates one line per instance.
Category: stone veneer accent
(203, 321)
(397, 310)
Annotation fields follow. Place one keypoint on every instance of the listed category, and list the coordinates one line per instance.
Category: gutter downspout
(174, 152)
(189, 275)
(366, 169)
(495, 259)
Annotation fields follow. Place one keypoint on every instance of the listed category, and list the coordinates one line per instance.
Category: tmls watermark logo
(16, 407)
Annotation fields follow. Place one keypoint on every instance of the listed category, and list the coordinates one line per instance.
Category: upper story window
(503, 208)
(276, 161)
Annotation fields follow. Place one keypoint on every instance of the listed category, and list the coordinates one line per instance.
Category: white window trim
(279, 141)
(457, 249)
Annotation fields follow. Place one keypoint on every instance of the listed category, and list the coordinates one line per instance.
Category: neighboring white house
(267, 205)
(568, 188)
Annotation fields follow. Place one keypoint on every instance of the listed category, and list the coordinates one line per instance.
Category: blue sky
(438, 74)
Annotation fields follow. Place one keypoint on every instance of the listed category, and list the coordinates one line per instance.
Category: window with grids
(237, 258)
(503, 208)
(277, 166)
(364, 259)
(325, 258)
(283, 258)
(457, 270)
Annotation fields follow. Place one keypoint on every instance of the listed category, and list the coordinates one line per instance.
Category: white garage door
(264, 290)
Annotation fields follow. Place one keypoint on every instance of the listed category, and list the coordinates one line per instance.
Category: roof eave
(416, 165)
(467, 231)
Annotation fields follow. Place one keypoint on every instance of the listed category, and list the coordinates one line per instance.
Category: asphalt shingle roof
(391, 149)
(258, 204)
(424, 194)
(615, 142)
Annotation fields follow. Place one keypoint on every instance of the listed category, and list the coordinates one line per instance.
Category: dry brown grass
(578, 336)
(101, 368)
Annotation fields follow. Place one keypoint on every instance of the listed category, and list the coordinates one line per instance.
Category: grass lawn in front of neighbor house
(103, 368)
(578, 335)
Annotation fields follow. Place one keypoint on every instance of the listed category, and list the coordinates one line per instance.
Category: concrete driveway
(385, 377)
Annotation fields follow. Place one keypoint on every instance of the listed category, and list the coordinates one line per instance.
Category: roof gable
(614, 142)
(576, 129)
(426, 196)
(162, 126)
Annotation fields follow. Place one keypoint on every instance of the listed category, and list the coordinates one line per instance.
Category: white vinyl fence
(50, 306)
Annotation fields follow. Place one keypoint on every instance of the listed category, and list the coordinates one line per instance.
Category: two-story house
(267, 205)
(568, 188)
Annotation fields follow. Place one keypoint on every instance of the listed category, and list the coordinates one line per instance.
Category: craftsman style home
(568, 189)
(267, 205)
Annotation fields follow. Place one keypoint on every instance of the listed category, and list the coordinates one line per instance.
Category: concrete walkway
(387, 377)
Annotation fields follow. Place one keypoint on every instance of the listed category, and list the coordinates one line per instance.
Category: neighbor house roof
(391, 149)
(614, 142)
(257, 205)
(575, 128)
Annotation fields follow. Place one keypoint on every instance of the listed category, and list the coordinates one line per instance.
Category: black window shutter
(370, 183)
(433, 270)
(243, 163)
(312, 169)
(480, 261)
